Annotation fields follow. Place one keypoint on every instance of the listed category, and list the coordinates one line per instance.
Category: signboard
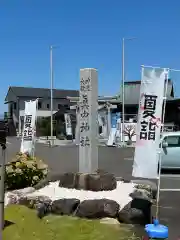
(68, 124)
(102, 121)
(149, 123)
(28, 136)
(114, 125)
(113, 120)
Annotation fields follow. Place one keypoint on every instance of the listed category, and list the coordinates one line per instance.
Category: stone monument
(88, 120)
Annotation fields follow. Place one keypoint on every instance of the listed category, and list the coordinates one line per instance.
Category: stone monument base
(90, 196)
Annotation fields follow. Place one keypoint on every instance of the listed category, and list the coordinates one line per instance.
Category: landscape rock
(81, 181)
(34, 201)
(126, 180)
(121, 179)
(43, 183)
(52, 177)
(101, 182)
(24, 191)
(138, 211)
(43, 209)
(91, 182)
(98, 208)
(64, 206)
(11, 198)
(67, 180)
(144, 205)
(130, 215)
(146, 184)
(141, 193)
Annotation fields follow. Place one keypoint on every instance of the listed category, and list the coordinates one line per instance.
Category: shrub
(24, 171)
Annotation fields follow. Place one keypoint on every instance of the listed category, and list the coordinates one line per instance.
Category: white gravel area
(120, 194)
(6, 200)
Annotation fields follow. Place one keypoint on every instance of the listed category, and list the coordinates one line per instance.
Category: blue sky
(89, 34)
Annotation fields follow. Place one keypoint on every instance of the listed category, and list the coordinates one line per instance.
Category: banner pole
(35, 130)
(160, 151)
(169, 69)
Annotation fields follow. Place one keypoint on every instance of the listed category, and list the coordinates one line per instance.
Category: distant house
(16, 97)
(132, 92)
(132, 95)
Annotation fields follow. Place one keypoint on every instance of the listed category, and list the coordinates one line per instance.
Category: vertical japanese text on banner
(27, 136)
(149, 121)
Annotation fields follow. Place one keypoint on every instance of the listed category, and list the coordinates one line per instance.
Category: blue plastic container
(156, 230)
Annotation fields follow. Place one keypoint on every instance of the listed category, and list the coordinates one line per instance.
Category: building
(132, 94)
(16, 97)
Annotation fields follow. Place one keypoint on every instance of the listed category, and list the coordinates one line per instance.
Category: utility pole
(123, 86)
(52, 86)
(123, 97)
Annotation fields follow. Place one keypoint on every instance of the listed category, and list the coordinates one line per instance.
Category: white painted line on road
(170, 176)
(8, 143)
(170, 190)
(164, 207)
(128, 159)
(167, 207)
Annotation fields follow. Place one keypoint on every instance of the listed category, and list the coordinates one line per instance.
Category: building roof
(132, 92)
(15, 92)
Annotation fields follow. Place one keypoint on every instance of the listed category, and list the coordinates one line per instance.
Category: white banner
(67, 118)
(113, 132)
(149, 123)
(102, 122)
(28, 136)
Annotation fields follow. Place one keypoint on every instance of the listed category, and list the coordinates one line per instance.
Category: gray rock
(98, 208)
(43, 209)
(43, 183)
(64, 206)
(126, 181)
(141, 193)
(101, 182)
(24, 191)
(34, 201)
(81, 181)
(12, 198)
(90, 182)
(148, 185)
(138, 211)
(64, 178)
(131, 216)
(142, 204)
(121, 179)
(53, 177)
(67, 180)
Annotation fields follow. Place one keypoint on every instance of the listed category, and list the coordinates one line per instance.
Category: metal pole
(160, 152)
(2, 178)
(51, 73)
(170, 69)
(109, 119)
(123, 97)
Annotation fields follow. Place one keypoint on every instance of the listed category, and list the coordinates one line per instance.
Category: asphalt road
(117, 161)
